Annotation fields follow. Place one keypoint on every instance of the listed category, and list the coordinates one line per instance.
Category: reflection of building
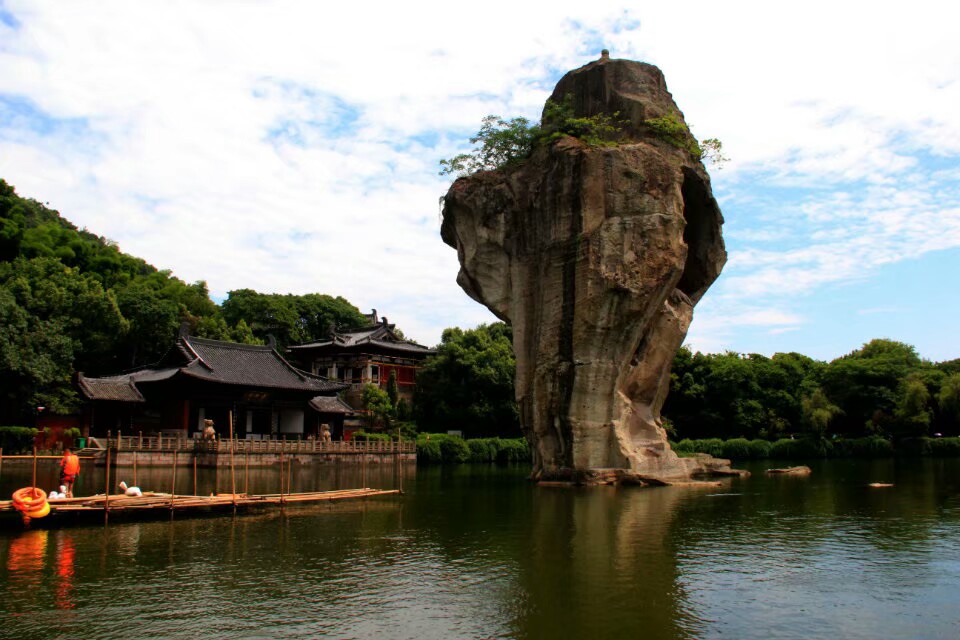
(364, 356)
(202, 379)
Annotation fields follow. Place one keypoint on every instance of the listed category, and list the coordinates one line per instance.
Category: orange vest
(70, 464)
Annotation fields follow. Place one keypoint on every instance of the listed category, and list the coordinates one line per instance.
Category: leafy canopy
(503, 143)
(671, 129)
(468, 383)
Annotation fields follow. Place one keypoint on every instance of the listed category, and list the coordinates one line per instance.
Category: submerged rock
(596, 255)
(791, 471)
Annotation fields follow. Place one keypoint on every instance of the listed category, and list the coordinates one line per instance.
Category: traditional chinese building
(200, 379)
(364, 356)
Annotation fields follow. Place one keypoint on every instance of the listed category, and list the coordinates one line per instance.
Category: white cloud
(292, 146)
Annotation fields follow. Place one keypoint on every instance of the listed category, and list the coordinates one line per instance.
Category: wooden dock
(152, 503)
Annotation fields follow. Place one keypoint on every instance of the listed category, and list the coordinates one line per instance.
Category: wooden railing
(179, 443)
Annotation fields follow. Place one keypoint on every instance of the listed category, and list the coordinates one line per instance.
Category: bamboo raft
(154, 503)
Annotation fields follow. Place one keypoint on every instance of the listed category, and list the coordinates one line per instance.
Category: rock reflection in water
(588, 548)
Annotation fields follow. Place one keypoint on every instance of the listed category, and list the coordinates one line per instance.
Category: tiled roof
(248, 365)
(412, 347)
(115, 388)
(223, 362)
(379, 336)
(330, 404)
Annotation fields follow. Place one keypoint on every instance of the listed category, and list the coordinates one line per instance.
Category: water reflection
(478, 552)
(66, 557)
(587, 549)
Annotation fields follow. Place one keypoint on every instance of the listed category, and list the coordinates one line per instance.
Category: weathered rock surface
(596, 257)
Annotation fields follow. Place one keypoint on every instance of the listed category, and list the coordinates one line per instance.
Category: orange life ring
(31, 502)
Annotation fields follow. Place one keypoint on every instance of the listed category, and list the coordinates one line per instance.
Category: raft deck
(153, 502)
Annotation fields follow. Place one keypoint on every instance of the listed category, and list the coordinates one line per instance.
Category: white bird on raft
(54, 494)
(130, 491)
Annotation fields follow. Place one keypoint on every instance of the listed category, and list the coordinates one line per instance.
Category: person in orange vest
(69, 470)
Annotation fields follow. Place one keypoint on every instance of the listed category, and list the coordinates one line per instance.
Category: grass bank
(787, 449)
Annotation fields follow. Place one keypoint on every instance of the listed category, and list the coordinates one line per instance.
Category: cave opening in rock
(699, 211)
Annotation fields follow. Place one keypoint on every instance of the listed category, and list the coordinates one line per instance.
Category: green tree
(949, 402)
(154, 321)
(866, 384)
(912, 418)
(468, 383)
(818, 413)
(393, 389)
(291, 319)
(730, 395)
(499, 143)
(379, 409)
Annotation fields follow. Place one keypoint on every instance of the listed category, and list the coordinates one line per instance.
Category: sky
(293, 147)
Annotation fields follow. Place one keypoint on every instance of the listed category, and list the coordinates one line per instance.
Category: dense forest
(883, 388)
(72, 301)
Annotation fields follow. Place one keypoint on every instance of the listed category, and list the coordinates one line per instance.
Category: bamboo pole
(29, 456)
(106, 488)
(194, 473)
(233, 480)
(290, 476)
(135, 469)
(281, 477)
(246, 472)
(1, 461)
(34, 484)
(173, 489)
(399, 466)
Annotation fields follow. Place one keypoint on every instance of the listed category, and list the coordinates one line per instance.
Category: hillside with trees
(72, 301)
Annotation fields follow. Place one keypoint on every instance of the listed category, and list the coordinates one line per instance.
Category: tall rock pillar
(596, 256)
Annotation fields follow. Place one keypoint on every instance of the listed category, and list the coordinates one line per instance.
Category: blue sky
(293, 147)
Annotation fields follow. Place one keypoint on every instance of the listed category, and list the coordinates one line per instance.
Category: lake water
(477, 552)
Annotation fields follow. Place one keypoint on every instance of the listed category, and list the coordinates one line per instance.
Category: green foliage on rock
(503, 143)
(599, 130)
(672, 130)
(499, 143)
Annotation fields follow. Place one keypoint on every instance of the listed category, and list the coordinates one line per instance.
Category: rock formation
(596, 256)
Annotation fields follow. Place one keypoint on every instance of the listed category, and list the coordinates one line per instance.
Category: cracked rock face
(596, 256)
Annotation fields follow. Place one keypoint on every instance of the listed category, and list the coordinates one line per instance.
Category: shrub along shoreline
(440, 448)
(805, 448)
